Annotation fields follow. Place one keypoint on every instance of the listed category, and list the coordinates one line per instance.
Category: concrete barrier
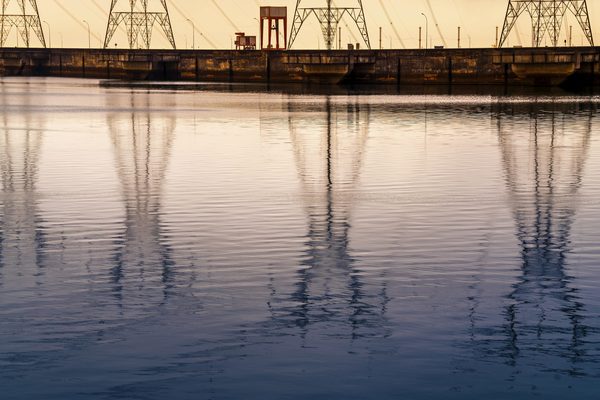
(512, 66)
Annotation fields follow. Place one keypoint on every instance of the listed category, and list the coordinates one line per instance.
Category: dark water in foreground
(214, 245)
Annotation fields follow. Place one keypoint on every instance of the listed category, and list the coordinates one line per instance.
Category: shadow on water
(544, 151)
(336, 90)
(142, 141)
(329, 288)
(22, 238)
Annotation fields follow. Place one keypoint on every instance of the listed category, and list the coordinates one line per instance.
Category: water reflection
(544, 150)
(142, 137)
(22, 239)
(329, 287)
(179, 267)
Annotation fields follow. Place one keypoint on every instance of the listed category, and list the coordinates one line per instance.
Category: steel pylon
(22, 15)
(547, 17)
(139, 22)
(329, 17)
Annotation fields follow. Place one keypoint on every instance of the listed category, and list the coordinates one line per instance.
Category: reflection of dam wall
(142, 143)
(544, 156)
(21, 234)
(329, 287)
(510, 66)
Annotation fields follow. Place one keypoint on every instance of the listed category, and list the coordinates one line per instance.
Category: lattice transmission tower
(547, 18)
(329, 17)
(139, 17)
(24, 17)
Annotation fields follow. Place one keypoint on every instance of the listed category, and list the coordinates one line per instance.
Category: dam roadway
(577, 66)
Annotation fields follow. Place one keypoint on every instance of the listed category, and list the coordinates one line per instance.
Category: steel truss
(27, 22)
(547, 18)
(139, 22)
(329, 17)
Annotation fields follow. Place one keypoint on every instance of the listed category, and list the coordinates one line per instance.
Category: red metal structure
(243, 42)
(273, 16)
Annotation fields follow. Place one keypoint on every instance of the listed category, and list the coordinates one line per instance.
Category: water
(226, 243)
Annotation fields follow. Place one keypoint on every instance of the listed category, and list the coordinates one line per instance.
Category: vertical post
(277, 32)
(25, 27)
(270, 33)
(380, 43)
(571, 36)
(2, 25)
(496, 46)
(340, 38)
(459, 37)
(420, 37)
(285, 30)
(262, 33)
(49, 33)
(193, 33)
(89, 34)
(329, 38)
(131, 43)
(426, 30)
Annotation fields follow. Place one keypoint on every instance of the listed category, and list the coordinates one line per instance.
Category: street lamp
(193, 33)
(89, 34)
(426, 30)
(49, 34)
(260, 25)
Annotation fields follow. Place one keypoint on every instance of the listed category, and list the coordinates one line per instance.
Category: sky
(216, 22)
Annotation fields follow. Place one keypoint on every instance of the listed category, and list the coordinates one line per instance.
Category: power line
(437, 26)
(237, 29)
(392, 24)
(74, 18)
(185, 15)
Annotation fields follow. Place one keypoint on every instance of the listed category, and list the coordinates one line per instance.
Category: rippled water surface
(234, 244)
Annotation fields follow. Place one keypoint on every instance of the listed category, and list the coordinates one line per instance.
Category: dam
(272, 57)
(579, 66)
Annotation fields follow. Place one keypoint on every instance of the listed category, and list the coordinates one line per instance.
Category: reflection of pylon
(139, 22)
(329, 17)
(142, 143)
(22, 237)
(547, 18)
(25, 18)
(544, 170)
(329, 289)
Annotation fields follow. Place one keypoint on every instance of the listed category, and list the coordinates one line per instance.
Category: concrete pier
(511, 66)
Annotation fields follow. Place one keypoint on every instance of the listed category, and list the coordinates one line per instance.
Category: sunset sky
(216, 24)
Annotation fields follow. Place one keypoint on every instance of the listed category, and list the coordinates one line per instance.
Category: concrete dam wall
(511, 66)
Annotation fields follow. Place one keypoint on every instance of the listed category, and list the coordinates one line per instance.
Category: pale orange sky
(477, 18)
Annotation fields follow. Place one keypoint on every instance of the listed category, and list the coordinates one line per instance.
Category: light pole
(426, 30)
(89, 34)
(260, 30)
(193, 33)
(49, 34)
